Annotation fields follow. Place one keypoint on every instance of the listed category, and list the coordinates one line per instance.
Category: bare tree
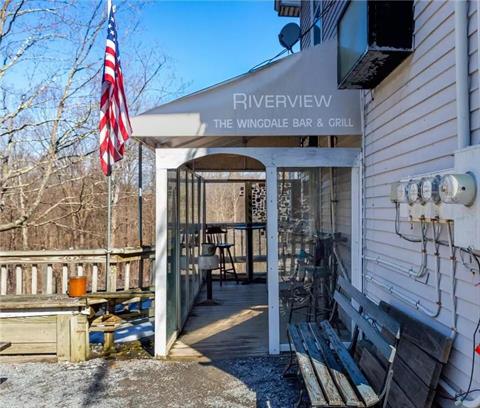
(50, 74)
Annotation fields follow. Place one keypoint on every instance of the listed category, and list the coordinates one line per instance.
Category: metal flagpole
(109, 204)
(140, 196)
(109, 231)
(140, 213)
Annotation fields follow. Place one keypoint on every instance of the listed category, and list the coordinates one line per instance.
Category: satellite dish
(289, 35)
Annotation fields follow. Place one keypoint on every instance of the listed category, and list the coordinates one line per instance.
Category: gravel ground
(239, 383)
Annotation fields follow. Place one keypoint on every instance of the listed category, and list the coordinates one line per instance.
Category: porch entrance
(228, 210)
(300, 214)
(270, 115)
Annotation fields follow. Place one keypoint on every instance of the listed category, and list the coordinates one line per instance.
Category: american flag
(114, 125)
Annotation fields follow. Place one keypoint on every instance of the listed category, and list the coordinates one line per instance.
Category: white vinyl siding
(473, 71)
(305, 23)
(410, 126)
(329, 21)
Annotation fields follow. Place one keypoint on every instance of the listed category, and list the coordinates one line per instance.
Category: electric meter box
(467, 218)
(427, 211)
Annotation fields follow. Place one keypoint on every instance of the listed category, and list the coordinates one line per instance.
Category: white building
(417, 117)
(415, 120)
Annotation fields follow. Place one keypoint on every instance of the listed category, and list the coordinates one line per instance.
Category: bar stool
(218, 236)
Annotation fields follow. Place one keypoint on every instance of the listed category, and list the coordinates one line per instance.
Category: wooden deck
(237, 327)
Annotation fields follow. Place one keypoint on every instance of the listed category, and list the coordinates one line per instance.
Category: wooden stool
(222, 247)
(218, 236)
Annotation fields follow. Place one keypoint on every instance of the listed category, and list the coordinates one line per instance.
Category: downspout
(461, 73)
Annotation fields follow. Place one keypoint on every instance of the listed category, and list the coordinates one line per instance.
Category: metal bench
(331, 376)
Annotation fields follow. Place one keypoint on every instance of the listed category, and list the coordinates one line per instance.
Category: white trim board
(268, 156)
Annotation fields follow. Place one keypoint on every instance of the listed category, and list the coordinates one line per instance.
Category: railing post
(64, 278)
(112, 278)
(49, 281)
(3, 280)
(34, 279)
(94, 278)
(126, 285)
(18, 280)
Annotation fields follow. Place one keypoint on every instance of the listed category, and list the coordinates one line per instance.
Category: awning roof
(295, 96)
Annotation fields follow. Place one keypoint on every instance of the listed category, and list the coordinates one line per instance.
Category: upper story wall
(411, 128)
(306, 19)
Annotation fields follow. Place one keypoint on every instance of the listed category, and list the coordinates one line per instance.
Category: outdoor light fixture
(429, 187)
(413, 192)
(458, 189)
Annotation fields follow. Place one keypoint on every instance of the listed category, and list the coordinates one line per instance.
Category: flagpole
(140, 196)
(109, 206)
(109, 232)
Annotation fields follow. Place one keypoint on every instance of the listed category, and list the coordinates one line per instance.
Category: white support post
(126, 285)
(18, 280)
(94, 278)
(272, 262)
(49, 280)
(65, 278)
(161, 261)
(34, 279)
(356, 242)
(3, 279)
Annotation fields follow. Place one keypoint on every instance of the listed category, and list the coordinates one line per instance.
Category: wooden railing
(47, 271)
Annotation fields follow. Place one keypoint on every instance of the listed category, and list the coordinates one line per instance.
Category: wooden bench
(331, 376)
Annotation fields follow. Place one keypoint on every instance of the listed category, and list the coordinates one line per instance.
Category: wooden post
(18, 280)
(34, 279)
(3, 280)
(94, 278)
(49, 280)
(272, 262)
(63, 337)
(79, 338)
(126, 285)
(64, 278)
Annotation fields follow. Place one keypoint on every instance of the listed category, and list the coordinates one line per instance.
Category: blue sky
(210, 41)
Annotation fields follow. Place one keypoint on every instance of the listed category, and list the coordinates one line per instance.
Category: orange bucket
(77, 286)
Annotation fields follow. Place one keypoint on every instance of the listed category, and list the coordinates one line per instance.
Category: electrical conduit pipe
(461, 73)
(473, 403)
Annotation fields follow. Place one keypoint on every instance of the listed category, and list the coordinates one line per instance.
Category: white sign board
(296, 96)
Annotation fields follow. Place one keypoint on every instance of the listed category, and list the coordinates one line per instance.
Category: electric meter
(430, 189)
(458, 189)
(413, 192)
(398, 193)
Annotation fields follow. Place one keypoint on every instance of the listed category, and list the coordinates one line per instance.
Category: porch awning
(295, 96)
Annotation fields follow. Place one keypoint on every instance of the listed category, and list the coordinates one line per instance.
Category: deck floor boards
(237, 327)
